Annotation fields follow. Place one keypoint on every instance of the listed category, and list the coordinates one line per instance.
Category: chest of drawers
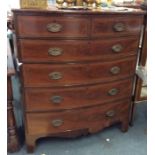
(77, 70)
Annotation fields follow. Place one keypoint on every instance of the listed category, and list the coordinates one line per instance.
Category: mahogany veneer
(42, 75)
(75, 50)
(43, 99)
(78, 70)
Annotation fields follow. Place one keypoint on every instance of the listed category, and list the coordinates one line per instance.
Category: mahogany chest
(77, 70)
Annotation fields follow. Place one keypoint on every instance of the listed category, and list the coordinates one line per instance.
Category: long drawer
(44, 99)
(52, 26)
(55, 122)
(116, 26)
(50, 75)
(70, 50)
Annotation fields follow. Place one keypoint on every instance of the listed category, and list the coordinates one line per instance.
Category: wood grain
(68, 95)
(37, 75)
(77, 119)
(37, 100)
(76, 50)
(37, 26)
(105, 26)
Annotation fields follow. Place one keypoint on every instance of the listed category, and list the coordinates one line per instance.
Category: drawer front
(53, 51)
(54, 122)
(50, 75)
(52, 26)
(67, 51)
(68, 98)
(116, 25)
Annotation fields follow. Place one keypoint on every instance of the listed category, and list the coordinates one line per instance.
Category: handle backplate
(56, 99)
(117, 48)
(55, 75)
(113, 92)
(110, 113)
(55, 51)
(54, 27)
(115, 70)
(119, 27)
(57, 122)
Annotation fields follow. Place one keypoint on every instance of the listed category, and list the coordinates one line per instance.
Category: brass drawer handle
(113, 92)
(110, 113)
(56, 99)
(57, 122)
(115, 70)
(117, 48)
(55, 51)
(119, 27)
(55, 75)
(54, 27)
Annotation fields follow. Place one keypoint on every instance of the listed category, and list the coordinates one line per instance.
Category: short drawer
(44, 99)
(53, 50)
(52, 26)
(86, 118)
(71, 51)
(116, 25)
(52, 75)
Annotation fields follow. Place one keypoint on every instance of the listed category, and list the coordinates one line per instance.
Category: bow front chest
(77, 70)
